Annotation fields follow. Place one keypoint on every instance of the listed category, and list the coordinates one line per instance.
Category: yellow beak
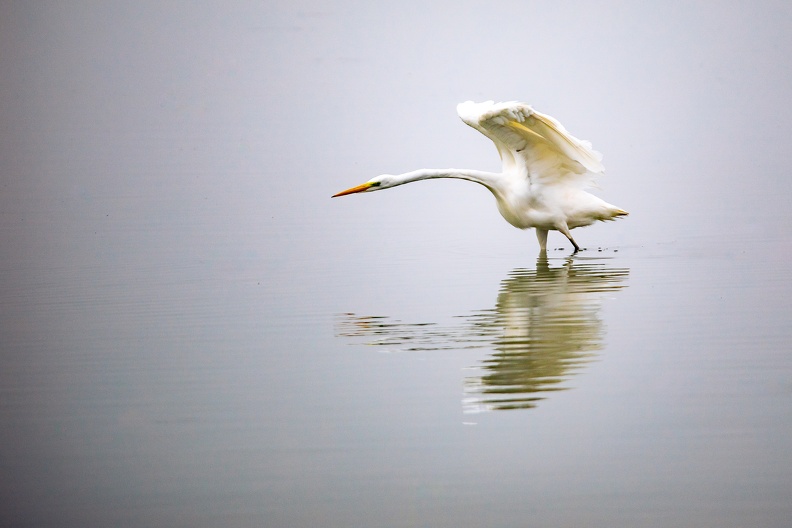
(353, 190)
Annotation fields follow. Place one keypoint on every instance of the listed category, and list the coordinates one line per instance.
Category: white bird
(545, 171)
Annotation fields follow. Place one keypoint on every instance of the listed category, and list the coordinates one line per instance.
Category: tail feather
(611, 213)
(616, 213)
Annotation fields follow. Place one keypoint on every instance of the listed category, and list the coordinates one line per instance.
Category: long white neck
(487, 179)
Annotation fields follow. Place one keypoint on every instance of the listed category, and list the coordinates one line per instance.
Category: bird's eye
(375, 184)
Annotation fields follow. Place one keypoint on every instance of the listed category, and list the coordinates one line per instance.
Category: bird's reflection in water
(545, 325)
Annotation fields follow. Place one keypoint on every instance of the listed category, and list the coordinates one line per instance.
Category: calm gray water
(194, 334)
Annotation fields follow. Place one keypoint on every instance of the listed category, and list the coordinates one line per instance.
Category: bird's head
(382, 181)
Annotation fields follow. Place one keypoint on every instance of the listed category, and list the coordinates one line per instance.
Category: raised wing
(530, 142)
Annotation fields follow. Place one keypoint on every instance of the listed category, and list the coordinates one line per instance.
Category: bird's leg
(565, 230)
(541, 235)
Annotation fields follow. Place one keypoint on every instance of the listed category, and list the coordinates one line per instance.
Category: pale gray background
(174, 277)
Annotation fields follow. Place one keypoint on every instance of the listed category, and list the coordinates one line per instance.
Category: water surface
(195, 334)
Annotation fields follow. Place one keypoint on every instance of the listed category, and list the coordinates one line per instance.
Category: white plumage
(545, 171)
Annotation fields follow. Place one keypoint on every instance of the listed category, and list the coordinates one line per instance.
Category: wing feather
(530, 142)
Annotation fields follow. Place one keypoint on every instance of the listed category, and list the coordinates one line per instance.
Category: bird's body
(545, 171)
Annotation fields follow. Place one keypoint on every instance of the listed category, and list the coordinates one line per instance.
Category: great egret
(545, 171)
